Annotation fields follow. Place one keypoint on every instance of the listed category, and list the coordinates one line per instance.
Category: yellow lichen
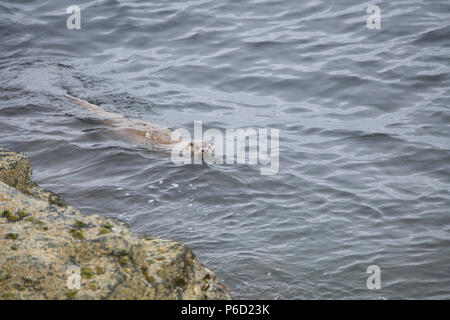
(13, 217)
(71, 294)
(22, 213)
(99, 270)
(87, 273)
(11, 236)
(77, 234)
(104, 231)
(93, 286)
(124, 260)
(108, 225)
(80, 224)
(6, 213)
(9, 296)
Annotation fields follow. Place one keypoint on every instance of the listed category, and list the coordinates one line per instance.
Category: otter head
(206, 149)
(196, 149)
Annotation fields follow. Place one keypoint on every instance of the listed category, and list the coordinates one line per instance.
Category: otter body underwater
(144, 133)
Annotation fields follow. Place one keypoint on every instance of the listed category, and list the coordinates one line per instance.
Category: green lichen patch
(108, 226)
(104, 231)
(20, 287)
(8, 296)
(99, 270)
(77, 234)
(11, 236)
(6, 213)
(71, 294)
(28, 192)
(80, 224)
(56, 200)
(87, 273)
(124, 260)
(94, 286)
(40, 224)
(14, 217)
(23, 213)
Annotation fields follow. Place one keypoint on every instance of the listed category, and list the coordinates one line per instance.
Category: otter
(145, 133)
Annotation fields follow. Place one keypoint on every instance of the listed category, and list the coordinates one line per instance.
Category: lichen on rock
(44, 243)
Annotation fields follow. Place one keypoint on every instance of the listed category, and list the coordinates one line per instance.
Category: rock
(50, 250)
(15, 169)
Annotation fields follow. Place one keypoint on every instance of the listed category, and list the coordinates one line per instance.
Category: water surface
(364, 133)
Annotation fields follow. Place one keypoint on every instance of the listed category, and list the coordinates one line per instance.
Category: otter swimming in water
(144, 133)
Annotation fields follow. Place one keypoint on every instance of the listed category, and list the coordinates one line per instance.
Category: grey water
(363, 115)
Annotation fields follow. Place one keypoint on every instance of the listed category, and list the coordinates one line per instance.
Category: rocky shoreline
(50, 250)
